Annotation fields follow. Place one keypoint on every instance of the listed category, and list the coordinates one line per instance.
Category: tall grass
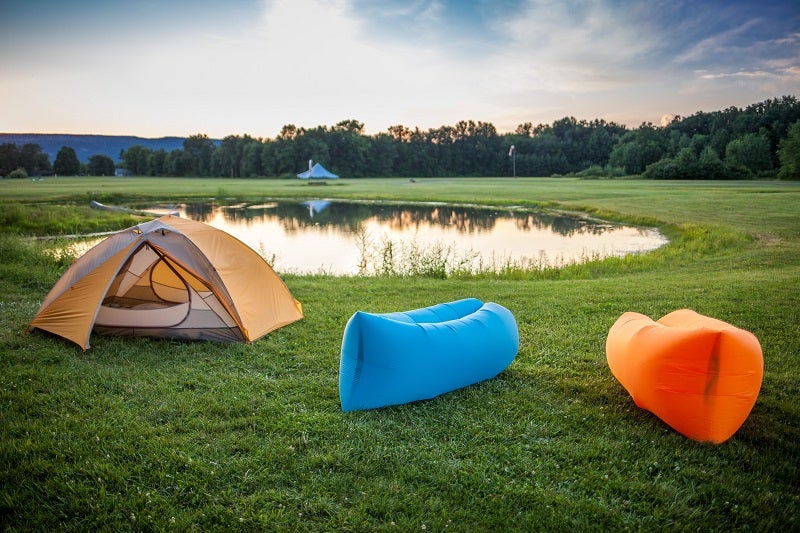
(55, 219)
(390, 257)
(440, 260)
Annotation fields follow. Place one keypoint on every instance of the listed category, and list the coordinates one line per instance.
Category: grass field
(139, 434)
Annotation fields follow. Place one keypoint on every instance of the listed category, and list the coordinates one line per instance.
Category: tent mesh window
(149, 279)
(153, 294)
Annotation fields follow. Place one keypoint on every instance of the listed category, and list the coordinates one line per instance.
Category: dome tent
(170, 277)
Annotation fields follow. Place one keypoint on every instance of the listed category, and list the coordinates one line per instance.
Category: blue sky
(222, 67)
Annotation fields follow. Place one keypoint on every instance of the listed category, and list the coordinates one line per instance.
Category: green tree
(101, 165)
(157, 163)
(347, 148)
(280, 157)
(789, 153)
(712, 167)
(289, 132)
(353, 126)
(401, 142)
(251, 159)
(628, 154)
(197, 151)
(382, 155)
(33, 159)
(226, 160)
(66, 163)
(9, 158)
(310, 144)
(719, 140)
(598, 147)
(524, 130)
(751, 151)
(638, 148)
(174, 163)
(709, 156)
(136, 160)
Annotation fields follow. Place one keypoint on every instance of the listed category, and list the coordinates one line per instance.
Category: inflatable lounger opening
(401, 357)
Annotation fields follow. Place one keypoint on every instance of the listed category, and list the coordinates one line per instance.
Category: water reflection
(337, 237)
(402, 218)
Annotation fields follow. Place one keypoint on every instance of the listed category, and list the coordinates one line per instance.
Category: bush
(18, 174)
(674, 169)
(789, 153)
(597, 171)
(614, 172)
(751, 151)
(591, 172)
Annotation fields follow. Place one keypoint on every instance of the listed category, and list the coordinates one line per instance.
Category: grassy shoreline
(144, 434)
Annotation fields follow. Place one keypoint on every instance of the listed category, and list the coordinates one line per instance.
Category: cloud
(715, 46)
(756, 49)
(792, 72)
(739, 74)
(577, 47)
(321, 62)
(259, 64)
(739, 60)
(313, 57)
(312, 62)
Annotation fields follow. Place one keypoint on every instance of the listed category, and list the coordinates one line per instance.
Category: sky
(156, 68)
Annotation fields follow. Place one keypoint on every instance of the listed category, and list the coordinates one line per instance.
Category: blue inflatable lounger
(396, 358)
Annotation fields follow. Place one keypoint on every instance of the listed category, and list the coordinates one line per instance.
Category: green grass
(139, 434)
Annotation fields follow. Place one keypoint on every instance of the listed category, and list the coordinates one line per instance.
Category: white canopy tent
(317, 171)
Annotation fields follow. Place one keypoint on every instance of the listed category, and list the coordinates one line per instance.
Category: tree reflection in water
(404, 218)
(329, 236)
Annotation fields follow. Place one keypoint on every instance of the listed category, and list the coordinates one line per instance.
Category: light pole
(512, 153)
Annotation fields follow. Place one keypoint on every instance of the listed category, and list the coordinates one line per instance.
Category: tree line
(760, 140)
(29, 160)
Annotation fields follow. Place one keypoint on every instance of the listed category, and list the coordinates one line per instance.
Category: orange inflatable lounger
(698, 374)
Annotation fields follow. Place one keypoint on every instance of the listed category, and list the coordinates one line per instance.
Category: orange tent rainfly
(698, 374)
(170, 277)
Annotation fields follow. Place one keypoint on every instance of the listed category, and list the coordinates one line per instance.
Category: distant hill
(86, 146)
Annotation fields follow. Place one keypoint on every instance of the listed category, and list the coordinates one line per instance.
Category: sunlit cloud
(792, 72)
(322, 69)
(740, 74)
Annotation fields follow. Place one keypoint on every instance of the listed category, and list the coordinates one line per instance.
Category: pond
(349, 238)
